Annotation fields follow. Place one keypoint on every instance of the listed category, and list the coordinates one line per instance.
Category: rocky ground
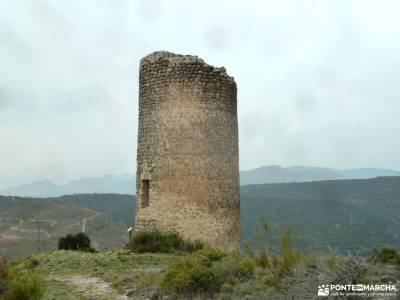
(125, 275)
(106, 275)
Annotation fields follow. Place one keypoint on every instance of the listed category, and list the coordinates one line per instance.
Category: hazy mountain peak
(125, 183)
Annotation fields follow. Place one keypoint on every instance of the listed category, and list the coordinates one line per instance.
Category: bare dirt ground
(92, 287)
(9, 237)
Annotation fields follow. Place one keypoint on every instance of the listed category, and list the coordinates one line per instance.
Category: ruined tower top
(176, 59)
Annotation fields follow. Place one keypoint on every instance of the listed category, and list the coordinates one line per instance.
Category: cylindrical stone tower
(188, 155)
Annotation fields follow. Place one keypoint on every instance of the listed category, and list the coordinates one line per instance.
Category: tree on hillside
(79, 241)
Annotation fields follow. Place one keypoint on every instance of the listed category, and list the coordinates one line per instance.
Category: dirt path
(93, 287)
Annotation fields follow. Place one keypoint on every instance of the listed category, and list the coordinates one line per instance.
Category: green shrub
(4, 275)
(385, 255)
(289, 257)
(79, 241)
(148, 279)
(190, 275)
(24, 286)
(17, 285)
(277, 265)
(204, 272)
(233, 268)
(157, 241)
(212, 254)
(33, 262)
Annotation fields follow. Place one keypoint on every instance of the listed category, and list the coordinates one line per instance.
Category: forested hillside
(343, 215)
(120, 208)
(29, 225)
(336, 215)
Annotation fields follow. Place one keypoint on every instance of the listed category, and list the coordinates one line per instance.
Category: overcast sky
(318, 81)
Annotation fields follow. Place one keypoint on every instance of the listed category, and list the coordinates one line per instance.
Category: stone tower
(187, 155)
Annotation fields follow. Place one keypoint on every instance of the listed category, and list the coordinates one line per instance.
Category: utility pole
(84, 225)
(38, 231)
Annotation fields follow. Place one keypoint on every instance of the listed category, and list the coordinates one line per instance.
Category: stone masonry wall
(188, 156)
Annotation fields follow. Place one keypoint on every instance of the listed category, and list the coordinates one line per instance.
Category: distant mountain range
(125, 184)
(122, 184)
(277, 174)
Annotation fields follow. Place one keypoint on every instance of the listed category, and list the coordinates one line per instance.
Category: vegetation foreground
(187, 272)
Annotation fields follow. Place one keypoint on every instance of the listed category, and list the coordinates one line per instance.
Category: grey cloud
(317, 82)
(14, 47)
(306, 101)
(4, 102)
(76, 100)
(150, 10)
(216, 37)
